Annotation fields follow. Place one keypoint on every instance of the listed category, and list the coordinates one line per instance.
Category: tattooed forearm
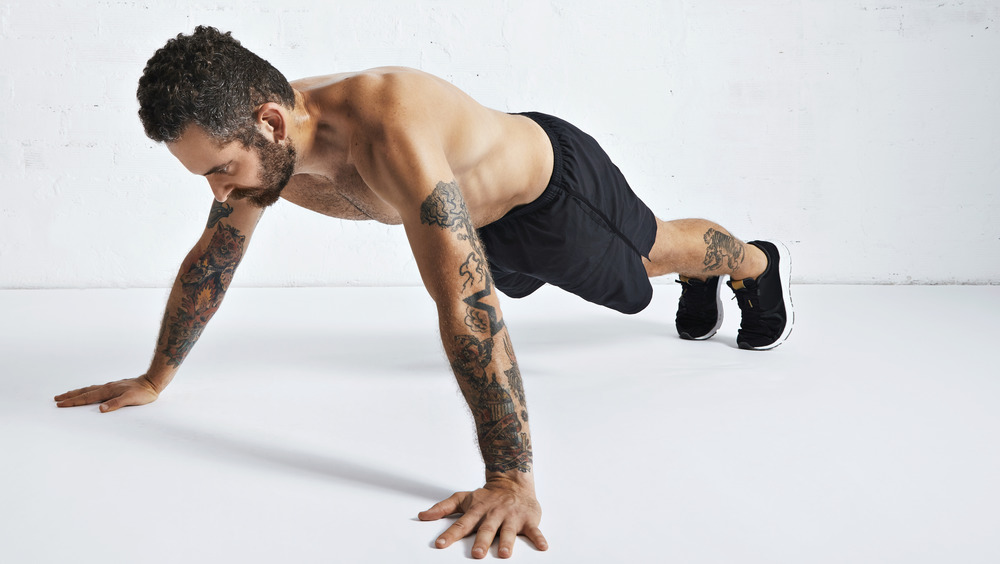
(491, 385)
(498, 407)
(203, 286)
(473, 270)
(446, 208)
(722, 248)
(219, 211)
(503, 444)
(470, 357)
(477, 320)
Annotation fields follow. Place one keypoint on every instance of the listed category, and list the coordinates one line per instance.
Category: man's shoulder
(400, 103)
(370, 87)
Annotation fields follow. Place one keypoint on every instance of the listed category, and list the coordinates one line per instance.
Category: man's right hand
(114, 395)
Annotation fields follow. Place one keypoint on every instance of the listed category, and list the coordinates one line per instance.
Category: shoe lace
(693, 298)
(755, 320)
(748, 300)
(690, 290)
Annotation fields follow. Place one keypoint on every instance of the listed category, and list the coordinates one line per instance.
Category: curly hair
(208, 79)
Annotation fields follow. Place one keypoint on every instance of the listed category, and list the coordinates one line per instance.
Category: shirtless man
(488, 200)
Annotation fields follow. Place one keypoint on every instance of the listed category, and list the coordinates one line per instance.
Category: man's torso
(500, 161)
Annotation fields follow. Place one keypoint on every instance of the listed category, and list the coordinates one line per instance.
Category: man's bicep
(404, 163)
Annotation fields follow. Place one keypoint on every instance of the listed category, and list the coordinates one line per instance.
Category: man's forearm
(477, 343)
(196, 295)
(488, 376)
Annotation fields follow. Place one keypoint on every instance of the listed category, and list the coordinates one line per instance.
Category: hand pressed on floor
(114, 395)
(501, 507)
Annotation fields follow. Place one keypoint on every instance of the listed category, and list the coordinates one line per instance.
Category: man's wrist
(158, 379)
(518, 479)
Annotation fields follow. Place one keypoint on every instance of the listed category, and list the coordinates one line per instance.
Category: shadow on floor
(237, 450)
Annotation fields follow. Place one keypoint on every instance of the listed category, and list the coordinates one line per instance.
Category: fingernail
(477, 552)
(440, 542)
(505, 552)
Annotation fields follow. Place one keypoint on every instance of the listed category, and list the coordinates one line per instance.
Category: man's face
(257, 173)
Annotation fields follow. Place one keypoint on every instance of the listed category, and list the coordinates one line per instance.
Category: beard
(277, 164)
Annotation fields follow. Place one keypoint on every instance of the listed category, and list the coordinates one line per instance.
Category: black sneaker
(699, 311)
(766, 301)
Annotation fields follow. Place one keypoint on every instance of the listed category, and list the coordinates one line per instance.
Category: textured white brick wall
(864, 133)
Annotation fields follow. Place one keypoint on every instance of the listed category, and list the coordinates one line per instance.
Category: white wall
(866, 134)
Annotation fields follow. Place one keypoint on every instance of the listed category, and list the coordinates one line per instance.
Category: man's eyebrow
(219, 168)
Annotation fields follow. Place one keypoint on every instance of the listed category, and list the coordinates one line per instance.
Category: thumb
(112, 404)
(442, 508)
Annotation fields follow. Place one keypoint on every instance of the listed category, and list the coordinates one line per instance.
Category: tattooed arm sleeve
(201, 283)
(472, 329)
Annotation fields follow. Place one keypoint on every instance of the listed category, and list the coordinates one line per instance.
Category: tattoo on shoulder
(722, 248)
(219, 211)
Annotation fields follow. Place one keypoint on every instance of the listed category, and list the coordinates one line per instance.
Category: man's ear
(272, 120)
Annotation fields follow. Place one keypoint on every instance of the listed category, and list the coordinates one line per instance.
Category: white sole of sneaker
(785, 275)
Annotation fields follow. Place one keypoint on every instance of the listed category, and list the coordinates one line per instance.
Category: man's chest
(341, 193)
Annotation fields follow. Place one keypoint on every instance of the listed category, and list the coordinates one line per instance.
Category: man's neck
(320, 133)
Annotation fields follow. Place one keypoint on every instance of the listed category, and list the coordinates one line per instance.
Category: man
(488, 201)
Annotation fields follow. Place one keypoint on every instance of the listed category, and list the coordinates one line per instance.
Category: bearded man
(489, 201)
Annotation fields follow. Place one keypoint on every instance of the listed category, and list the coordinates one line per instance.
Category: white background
(865, 134)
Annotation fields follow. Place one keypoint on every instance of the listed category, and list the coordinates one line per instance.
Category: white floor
(311, 425)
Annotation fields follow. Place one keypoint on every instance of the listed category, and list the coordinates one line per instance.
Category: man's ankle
(753, 265)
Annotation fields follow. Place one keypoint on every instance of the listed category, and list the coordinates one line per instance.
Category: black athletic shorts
(586, 233)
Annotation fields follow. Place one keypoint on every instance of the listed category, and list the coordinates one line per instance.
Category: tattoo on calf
(722, 247)
(204, 285)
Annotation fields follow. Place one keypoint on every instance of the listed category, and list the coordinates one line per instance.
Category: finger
(113, 404)
(443, 508)
(484, 538)
(93, 396)
(537, 538)
(72, 393)
(507, 536)
(458, 530)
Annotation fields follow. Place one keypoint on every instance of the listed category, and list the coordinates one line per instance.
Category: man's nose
(220, 190)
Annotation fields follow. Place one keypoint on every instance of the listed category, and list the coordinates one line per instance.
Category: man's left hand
(500, 507)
